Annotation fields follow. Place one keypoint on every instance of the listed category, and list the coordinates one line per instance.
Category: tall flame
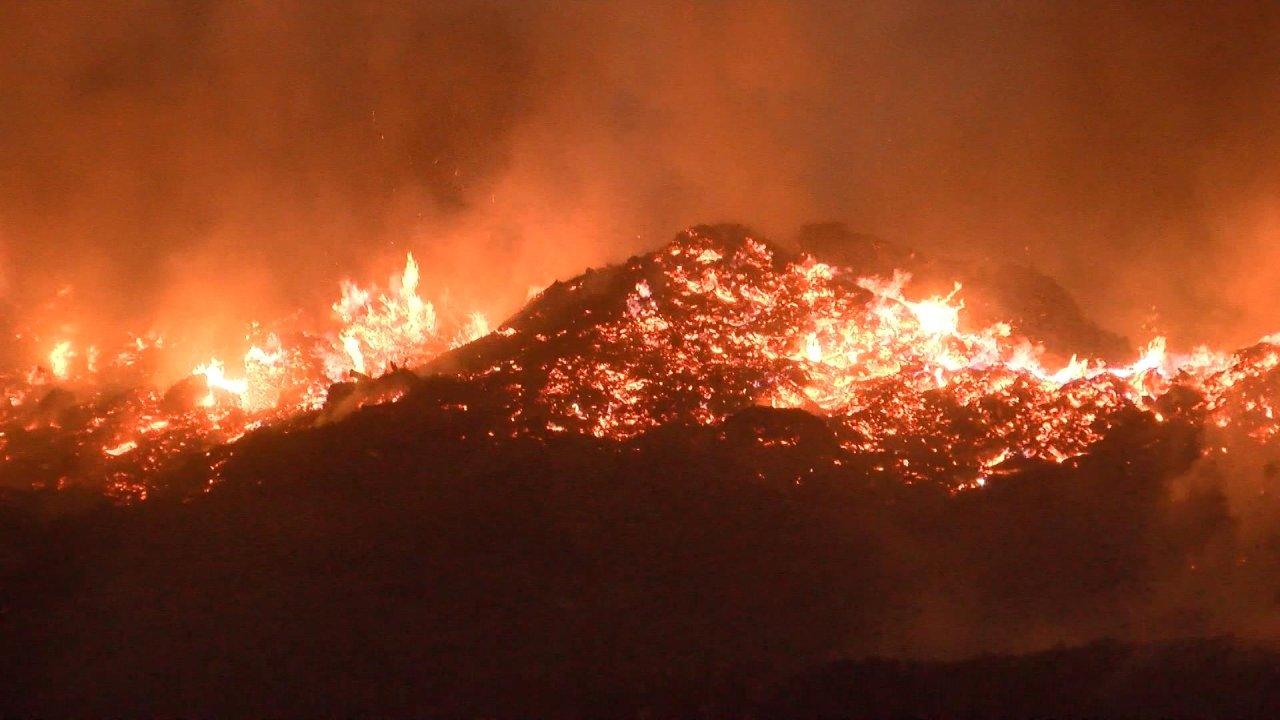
(60, 360)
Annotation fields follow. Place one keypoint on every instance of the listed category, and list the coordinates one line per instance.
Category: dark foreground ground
(393, 564)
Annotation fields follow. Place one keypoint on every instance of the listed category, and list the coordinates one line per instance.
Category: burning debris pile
(701, 331)
(718, 321)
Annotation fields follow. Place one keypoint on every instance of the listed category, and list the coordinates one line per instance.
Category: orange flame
(705, 331)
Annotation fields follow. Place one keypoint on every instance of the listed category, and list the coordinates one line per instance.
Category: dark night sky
(224, 160)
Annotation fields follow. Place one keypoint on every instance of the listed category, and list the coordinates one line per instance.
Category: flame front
(123, 438)
(708, 331)
(700, 331)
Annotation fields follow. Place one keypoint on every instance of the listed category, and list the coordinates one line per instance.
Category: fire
(377, 332)
(697, 332)
(128, 436)
(710, 329)
(937, 316)
(60, 360)
(475, 327)
(121, 449)
(216, 379)
(380, 332)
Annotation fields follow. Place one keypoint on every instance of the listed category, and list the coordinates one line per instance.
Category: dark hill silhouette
(397, 563)
(1209, 678)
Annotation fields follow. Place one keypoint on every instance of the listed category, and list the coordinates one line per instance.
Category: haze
(202, 164)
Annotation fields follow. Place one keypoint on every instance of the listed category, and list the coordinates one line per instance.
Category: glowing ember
(694, 333)
(712, 327)
(122, 448)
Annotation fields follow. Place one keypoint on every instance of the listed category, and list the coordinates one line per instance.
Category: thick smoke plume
(196, 165)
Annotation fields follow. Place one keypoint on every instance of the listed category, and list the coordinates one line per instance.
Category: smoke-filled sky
(211, 162)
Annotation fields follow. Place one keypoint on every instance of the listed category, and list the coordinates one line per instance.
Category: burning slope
(712, 324)
(718, 321)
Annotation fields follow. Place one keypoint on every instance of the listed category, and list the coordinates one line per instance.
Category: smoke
(216, 162)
